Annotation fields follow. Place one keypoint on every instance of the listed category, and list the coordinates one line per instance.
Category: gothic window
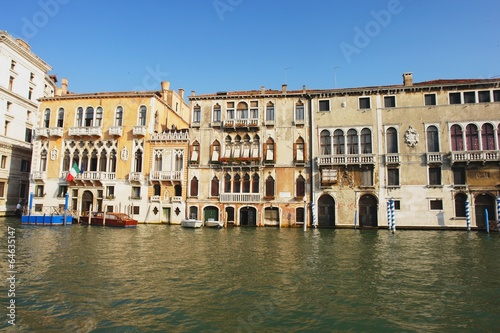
(102, 161)
(196, 114)
(269, 150)
(300, 186)
(46, 118)
(237, 184)
(456, 136)
(214, 188)
(472, 137)
(215, 151)
(255, 183)
(299, 151)
(227, 183)
(269, 187)
(246, 183)
(138, 161)
(89, 116)
(194, 187)
(195, 152)
(488, 137)
(43, 160)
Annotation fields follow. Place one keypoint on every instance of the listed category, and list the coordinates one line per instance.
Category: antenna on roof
(286, 74)
(335, 75)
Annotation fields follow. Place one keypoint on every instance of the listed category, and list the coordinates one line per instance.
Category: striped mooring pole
(389, 214)
(498, 214)
(467, 213)
(393, 216)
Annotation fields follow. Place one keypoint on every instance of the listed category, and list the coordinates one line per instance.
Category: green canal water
(159, 278)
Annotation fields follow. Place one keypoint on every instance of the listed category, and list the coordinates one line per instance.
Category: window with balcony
(215, 152)
(299, 151)
(270, 184)
(432, 139)
(156, 190)
(216, 113)
(472, 137)
(194, 187)
(299, 112)
(89, 116)
(242, 111)
(325, 142)
(352, 142)
(338, 142)
(246, 183)
(98, 116)
(196, 114)
(487, 137)
(300, 187)
(43, 160)
(254, 109)
(60, 117)
(456, 137)
(255, 183)
(227, 183)
(460, 203)
(119, 116)
(178, 190)
(230, 110)
(435, 176)
(392, 140)
(142, 115)
(364, 103)
(430, 99)
(270, 112)
(390, 101)
(46, 118)
(455, 98)
(366, 141)
(392, 177)
(237, 183)
(214, 187)
(79, 117)
(484, 96)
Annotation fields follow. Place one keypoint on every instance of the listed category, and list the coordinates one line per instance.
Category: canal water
(159, 278)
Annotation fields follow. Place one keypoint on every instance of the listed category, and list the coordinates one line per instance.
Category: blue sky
(217, 45)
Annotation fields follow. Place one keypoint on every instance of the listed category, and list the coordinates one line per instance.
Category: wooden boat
(109, 219)
(191, 223)
(211, 223)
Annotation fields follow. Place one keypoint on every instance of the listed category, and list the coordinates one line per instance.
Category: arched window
(352, 142)
(194, 187)
(227, 183)
(178, 190)
(299, 151)
(112, 161)
(472, 137)
(89, 116)
(66, 160)
(269, 151)
(246, 183)
(299, 111)
(46, 118)
(215, 152)
(142, 115)
(237, 184)
(300, 186)
(85, 161)
(255, 183)
(119, 116)
(214, 188)
(338, 142)
(195, 152)
(98, 117)
(456, 137)
(270, 112)
(60, 117)
(196, 114)
(79, 117)
(158, 160)
(325, 143)
(156, 189)
(432, 139)
(102, 161)
(366, 141)
(392, 140)
(138, 161)
(242, 111)
(216, 115)
(269, 187)
(93, 161)
(43, 160)
(488, 137)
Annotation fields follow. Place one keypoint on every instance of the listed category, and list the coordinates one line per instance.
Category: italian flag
(73, 172)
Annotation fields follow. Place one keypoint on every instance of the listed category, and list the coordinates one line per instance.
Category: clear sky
(217, 45)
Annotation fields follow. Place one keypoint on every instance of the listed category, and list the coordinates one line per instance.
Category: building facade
(126, 152)
(334, 158)
(23, 79)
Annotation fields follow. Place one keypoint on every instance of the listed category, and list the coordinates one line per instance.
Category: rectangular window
(324, 105)
(367, 177)
(136, 192)
(28, 135)
(397, 205)
(217, 113)
(110, 192)
(63, 189)
(9, 104)
(496, 95)
(25, 166)
(484, 96)
(23, 190)
(2, 189)
(436, 204)
(136, 210)
(435, 176)
(459, 178)
(390, 101)
(270, 112)
(299, 215)
(455, 98)
(299, 112)
(39, 191)
(4, 162)
(364, 103)
(393, 177)
(11, 83)
(430, 99)
(469, 97)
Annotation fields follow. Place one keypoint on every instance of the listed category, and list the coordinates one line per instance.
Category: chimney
(408, 79)
(283, 87)
(193, 93)
(262, 90)
(304, 89)
(165, 85)
(64, 86)
(181, 93)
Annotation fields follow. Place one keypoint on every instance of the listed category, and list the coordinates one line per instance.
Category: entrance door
(485, 202)
(166, 215)
(326, 211)
(368, 211)
(211, 213)
(87, 201)
(248, 217)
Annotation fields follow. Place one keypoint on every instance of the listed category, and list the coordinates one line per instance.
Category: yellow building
(129, 151)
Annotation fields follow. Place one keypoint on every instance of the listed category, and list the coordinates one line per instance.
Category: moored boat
(191, 223)
(211, 223)
(108, 219)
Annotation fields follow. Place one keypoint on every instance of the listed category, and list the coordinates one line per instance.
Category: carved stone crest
(411, 137)
(54, 153)
(124, 154)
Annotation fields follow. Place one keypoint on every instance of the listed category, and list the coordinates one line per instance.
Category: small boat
(191, 223)
(211, 223)
(109, 219)
(47, 220)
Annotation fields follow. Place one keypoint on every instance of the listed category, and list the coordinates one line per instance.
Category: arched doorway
(326, 211)
(87, 202)
(485, 202)
(210, 213)
(248, 217)
(368, 211)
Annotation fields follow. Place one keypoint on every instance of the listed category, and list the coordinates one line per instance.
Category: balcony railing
(475, 156)
(39, 175)
(239, 197)
(85, 131)
(42, 132)
(116, 130)
(392, 158)
(165, 175)
(56, 131)
(92, 175)
(236, 123)
(347, 159)
(139, 130)
(434, 158)
(136, 176)
(176, 135)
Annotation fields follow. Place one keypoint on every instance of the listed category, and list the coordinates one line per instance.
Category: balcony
(347, 159)
(165, 175)
(392, 159)
(42, 132)
(139, 131)
(434, 158)
(241, 123)
(170, 136)
(85, 131)
(116, 130)
(56, 131)
(39, 175)
(482, 156)
(96, 175)
(136, 177)
(328, 177)
(242, 161)
(239, 197)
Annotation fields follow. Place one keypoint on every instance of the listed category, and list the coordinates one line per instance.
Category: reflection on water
(169, 279)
